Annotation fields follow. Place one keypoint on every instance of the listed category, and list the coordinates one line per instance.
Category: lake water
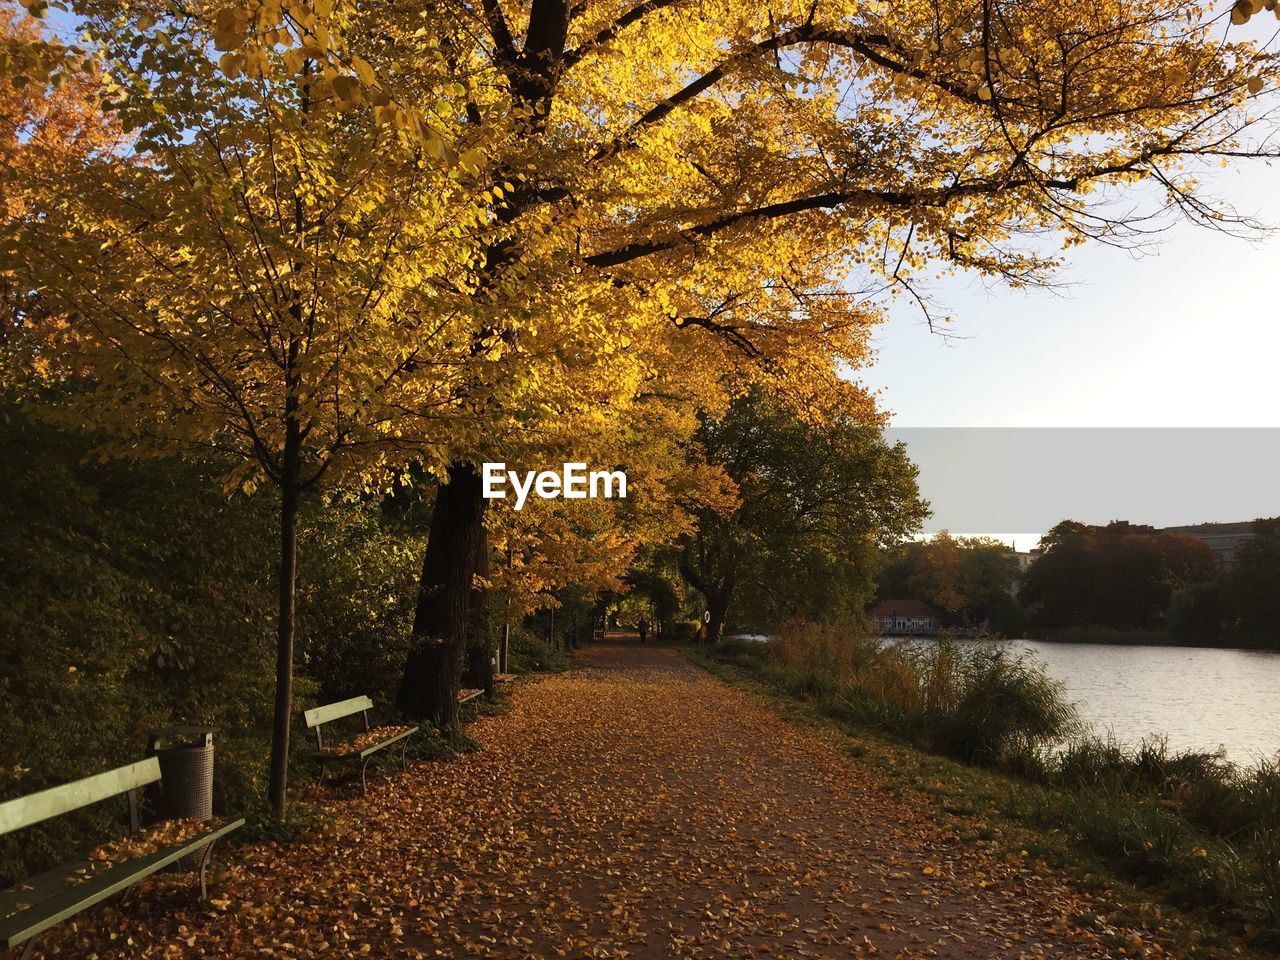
(1199, 698)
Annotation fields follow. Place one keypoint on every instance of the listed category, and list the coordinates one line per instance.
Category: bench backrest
(336, 711)
(25, 811)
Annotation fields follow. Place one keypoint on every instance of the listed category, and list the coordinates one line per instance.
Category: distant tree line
(1126, 575)
(1119, 577)
(1239, 607)
(1121, 574)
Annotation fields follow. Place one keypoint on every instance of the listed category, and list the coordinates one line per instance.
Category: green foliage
(658, 589)
(1250, 590)
(994, 706)
(1208, 828)
(816, 500)
(356, 592)
(137, 597)
(529, 651)
(969, 579)
(1118, 575)
(966, 699)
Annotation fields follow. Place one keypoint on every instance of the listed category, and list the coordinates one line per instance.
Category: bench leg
(31, 945)
(404, 755)
(204, 866)
(364, 786)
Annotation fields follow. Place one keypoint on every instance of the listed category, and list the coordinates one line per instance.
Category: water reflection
(1199, 698)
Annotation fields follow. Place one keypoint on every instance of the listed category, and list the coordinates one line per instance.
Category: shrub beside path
(637, 807)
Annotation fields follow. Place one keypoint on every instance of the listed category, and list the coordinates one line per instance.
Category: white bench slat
(335, 711)
(25, 811)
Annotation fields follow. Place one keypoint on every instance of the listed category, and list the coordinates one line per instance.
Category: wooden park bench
(40, 902)
(363, 748)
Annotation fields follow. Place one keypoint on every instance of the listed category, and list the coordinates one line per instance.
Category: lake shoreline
(1200, 698)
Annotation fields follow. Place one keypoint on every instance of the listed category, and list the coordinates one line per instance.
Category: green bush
(356, 595)
(137, 596)
(530, 652)
(1206, 828)
(999, 705)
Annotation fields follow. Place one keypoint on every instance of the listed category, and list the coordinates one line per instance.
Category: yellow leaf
(228, 33)
(232, 64)
(364, 71)
(346, 89)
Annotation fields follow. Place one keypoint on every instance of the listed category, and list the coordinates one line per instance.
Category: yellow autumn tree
(549, 544)
(50, 117)
(261, 275)
(605, 194)
(712, 184)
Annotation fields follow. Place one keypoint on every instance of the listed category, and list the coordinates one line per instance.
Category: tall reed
(969, 699)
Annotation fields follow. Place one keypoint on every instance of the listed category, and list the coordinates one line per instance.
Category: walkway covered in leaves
(636, 807)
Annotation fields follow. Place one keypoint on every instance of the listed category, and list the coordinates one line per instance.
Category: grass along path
(637, 807)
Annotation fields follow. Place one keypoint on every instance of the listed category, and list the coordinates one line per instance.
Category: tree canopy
(814, 502)
(339, 240)
(1120, 574)
(970, 580)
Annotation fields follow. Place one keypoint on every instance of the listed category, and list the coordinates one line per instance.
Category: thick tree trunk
(713, 581)
(433, 670)
(290, 494)
(718, 607)
(479, 670)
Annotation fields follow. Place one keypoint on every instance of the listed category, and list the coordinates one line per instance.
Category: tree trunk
(289, 497)
(433, 670)
(479, 669)
(717, 606)
(714, 584)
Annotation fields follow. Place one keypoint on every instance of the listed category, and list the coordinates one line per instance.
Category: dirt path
(634, 808)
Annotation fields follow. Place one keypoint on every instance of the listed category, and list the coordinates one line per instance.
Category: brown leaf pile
(366, 739)
(152, 839)
(634, 809)
(144, 843)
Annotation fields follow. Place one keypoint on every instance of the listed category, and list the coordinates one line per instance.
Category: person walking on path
(643, 627)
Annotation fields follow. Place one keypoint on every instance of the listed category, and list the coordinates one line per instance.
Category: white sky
(1187, 336)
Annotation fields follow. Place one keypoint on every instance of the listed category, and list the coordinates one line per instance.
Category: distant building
(905, 616)
(1026, 558)
(1224, 539)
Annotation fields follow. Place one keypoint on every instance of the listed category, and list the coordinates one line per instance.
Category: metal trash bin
(186, 772)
